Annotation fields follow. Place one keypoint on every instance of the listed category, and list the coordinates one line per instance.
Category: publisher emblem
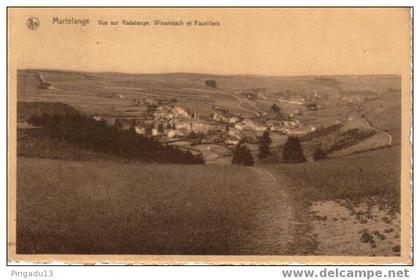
(32, 23)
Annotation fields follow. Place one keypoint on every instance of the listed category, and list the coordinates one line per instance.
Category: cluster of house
(251, 129)
(173, 122)
(167, 121)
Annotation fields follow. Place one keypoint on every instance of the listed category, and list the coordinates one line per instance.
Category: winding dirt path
(275, 218)
(378, 130)
(240, 102)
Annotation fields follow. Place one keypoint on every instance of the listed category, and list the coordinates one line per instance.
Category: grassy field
(107, 207)
(385, 114)
(370, 173)
(33, 143)
(98, 93)
(341, 201)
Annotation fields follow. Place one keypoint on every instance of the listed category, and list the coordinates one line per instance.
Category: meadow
(110, 207)
(370, 173)
(99, 93)
(341, 201)
(104, 207)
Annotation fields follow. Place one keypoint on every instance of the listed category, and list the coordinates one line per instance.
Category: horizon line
(199, 73)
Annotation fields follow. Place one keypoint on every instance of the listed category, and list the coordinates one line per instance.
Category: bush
(275, 108)
(319, 154)
(211, 83)
(264, 147)
(366, 236)
(292, 151)
(242, 156)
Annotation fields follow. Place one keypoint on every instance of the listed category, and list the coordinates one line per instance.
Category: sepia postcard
(235, 136)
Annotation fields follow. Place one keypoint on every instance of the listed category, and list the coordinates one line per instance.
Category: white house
(155, 132)
(234, 140)
(173, 133)
(183, 125)
(180, 112)
(140, 130)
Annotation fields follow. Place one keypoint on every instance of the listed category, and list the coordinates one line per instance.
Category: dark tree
(242, 156)
(319, 154)
(264, 147)
(161, 128)
(211, 83)
(248, 160)
(275, 108)
(292, 151)
(237, 155)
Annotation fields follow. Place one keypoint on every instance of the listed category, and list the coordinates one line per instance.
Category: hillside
(213, 209)
(25, 110)
(68, 207)
(370, 173)
(103, 92)
(32, 143)
(347, 206)
(385, 114)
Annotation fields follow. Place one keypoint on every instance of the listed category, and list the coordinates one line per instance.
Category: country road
(378, 130)
(276, 215)
(240, 102)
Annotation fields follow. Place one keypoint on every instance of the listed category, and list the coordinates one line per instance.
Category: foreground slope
(346, 206)
(107, 207)
(350, 205)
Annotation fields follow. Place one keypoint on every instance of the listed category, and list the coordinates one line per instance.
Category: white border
(180, 272)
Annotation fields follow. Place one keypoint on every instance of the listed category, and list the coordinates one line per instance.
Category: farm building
(311, 106)
(164, 112)
(180, 112)
(155, 132)
(248, 124)
(174, 133)
(234, 140)
(110, 121)
(183, 125)
(293, 123)
(225, 117)
(140, 130)
(199, 126)
(232, 131)
(299, 131)
(125, 124)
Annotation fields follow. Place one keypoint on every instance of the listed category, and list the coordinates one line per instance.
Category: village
(212, 130)
(172, 124)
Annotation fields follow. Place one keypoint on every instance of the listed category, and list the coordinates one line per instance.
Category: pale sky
(248, 41)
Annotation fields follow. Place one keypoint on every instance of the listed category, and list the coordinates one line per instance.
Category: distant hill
(385, 114)
(103, 91)
(376, 83)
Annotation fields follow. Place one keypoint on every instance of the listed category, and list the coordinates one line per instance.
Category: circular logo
(32, 23)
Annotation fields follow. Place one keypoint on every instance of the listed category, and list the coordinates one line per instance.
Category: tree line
(292, 152)
(90, 134)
